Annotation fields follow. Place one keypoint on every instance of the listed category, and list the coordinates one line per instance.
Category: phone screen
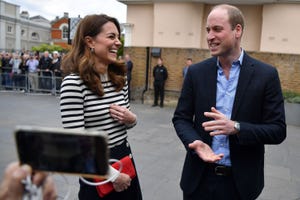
(55, 151)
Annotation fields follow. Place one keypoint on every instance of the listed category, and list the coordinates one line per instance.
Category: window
(35, 36)
(65, 32)
(9, 29)
(23, 32)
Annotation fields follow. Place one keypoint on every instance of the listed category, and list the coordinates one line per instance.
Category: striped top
(82, 109)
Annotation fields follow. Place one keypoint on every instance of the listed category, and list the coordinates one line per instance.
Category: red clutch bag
(128, 168)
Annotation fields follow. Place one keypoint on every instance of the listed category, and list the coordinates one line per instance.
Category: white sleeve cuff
(112, 173)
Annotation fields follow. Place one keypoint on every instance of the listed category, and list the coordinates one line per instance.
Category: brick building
(59, 31)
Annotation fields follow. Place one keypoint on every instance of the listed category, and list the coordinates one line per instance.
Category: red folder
(128, 168)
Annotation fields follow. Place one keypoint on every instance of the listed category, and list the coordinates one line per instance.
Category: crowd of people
(32, 71)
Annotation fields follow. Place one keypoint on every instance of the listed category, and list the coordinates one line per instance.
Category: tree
(47, 47)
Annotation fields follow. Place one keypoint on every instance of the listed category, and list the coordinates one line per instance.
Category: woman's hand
(122, 182)
(12, 187)
(122, 114)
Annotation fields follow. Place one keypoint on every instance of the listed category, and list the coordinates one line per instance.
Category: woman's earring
(92, 50)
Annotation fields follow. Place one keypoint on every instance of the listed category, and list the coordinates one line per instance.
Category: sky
(52, 8)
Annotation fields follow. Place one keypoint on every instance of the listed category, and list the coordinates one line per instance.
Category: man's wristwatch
(237, 126)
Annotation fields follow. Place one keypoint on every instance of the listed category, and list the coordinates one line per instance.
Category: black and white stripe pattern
(82, 109)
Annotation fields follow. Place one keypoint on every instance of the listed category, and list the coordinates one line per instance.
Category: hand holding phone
(12, 188)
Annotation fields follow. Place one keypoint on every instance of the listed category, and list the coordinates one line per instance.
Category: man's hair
(235, 15)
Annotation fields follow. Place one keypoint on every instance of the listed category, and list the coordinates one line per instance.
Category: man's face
(188, 62)
(221, 39)
(159, 61)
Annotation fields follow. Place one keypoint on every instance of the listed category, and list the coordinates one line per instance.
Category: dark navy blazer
(258, 106)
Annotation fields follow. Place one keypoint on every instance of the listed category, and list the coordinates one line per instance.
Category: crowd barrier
(40, 82)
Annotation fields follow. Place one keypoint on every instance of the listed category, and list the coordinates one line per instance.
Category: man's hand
(205, 152)
(221, 125)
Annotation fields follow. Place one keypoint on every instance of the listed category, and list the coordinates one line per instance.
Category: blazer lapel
(246, 74)
(211, 82)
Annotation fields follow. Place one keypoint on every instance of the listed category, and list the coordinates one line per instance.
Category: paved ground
(157, 150)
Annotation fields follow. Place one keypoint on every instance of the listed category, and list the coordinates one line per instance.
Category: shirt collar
(239, 61)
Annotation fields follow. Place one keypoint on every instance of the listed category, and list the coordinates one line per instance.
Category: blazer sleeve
(183, 118)
(270, 128)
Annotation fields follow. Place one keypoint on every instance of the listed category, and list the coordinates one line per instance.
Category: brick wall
(288, 66)
(56, 34)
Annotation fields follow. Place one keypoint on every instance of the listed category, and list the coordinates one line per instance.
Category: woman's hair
(81, 60)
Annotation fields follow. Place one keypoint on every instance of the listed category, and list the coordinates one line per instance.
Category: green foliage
(47, 47)
(294, 100)
(291, 97)
(121, 49)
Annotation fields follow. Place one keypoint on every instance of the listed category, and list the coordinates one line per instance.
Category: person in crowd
(56, 69)
(129, 65)
(32, 65)
(1, 75)
(24, 70)
(230, 106)
(12, 188)
(94, 96)
(1, 63)
(6, 71)
(188, 62)
(45, 64)
(160, 75)
(15, 62)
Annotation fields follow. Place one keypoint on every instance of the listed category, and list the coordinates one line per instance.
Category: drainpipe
(147, 73)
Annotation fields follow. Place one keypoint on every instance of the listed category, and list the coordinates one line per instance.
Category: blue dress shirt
(225, 97)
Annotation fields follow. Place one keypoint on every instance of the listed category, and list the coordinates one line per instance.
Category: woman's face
(106, 44)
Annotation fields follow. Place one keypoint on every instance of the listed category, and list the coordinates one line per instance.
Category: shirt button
(127, 144)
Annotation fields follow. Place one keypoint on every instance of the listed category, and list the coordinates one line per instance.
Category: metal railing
(38, 82)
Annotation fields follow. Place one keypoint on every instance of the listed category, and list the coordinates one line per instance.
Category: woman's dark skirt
(87, 192)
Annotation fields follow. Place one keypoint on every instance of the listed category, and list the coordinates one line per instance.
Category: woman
(94, 96)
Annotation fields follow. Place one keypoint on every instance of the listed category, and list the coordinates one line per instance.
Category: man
(45, 66)
(231, 105)
(32, 63)
(160, 75)
(188, 63)
(129, 66)
(6, 71)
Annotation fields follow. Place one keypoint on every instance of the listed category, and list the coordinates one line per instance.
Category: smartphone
(63, 150)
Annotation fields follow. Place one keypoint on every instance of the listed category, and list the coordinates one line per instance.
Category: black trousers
(87, 192)
(214, 187)
(159, 90)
